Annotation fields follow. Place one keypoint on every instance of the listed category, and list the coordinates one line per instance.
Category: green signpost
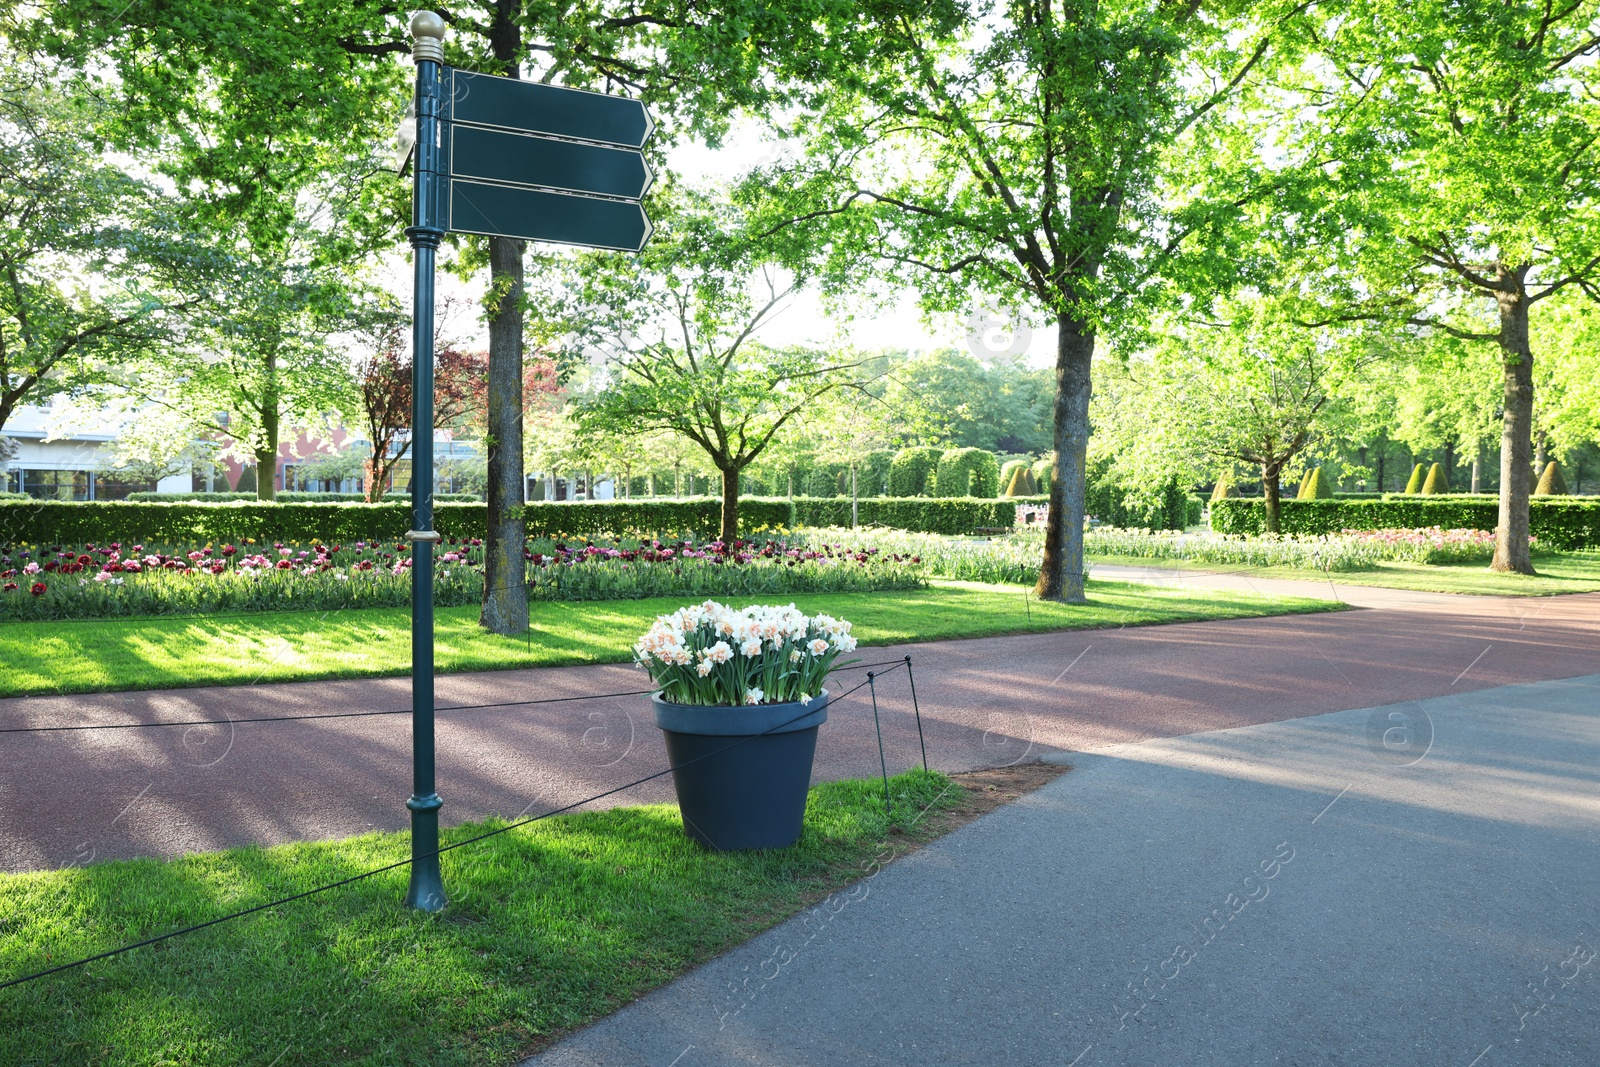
(505, 158)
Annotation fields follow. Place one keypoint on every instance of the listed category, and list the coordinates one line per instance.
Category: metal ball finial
(427, 36)
(428, 24)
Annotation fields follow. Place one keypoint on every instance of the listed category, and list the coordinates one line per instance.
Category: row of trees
(1120, 172)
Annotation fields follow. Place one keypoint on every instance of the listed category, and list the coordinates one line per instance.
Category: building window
(109, 488)
(53, 485)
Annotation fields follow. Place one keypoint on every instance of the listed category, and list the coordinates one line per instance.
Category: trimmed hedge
(1437, 483)
(911, 471)
(967, 472)
(290, 497)
(1044, 471)
(958, 515)
(1414, 483)
(1557, 522)
(101, 522)
(1172, 510)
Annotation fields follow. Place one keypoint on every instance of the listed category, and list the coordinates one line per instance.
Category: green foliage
(1008, 470)
(287, 498)
(72, 218)
(1414, 483)
(1555, 522)
(911, 472)
(1045, 471)
(1437, 482)
(1022, 482)
(999, 404)
(1319, 487)
(967, 472)
(61, 522)
(1550, 482)
(824, 480)
(872, 476)
(1224, 487)
(959, 515)
(1168, 508)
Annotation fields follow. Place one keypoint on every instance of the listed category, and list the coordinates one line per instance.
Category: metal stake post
(426, 890)
(883, 764)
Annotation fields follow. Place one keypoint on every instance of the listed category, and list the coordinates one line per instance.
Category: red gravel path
(68, 798)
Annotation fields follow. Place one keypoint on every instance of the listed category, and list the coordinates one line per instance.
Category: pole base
(426, 889)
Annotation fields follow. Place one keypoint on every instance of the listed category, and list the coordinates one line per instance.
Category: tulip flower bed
(1014, 558)
(118, 580)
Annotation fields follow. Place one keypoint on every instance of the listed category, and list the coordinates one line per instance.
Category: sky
(984, 332)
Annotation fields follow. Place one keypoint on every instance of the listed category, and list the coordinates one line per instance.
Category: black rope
(402, 863)
(360, 714)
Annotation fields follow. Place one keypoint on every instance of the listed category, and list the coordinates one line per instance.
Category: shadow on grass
(549, 927)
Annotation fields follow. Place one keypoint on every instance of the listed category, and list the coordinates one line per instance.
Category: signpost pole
(426, 890)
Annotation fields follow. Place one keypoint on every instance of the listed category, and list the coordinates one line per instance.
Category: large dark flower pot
(739, 786)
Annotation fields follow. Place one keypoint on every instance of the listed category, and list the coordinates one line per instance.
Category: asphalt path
(1409, 887)
(68, 798)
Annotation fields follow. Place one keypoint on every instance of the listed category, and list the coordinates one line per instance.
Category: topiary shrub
(1044, 472)
(1022, 482)
(1008, 470)
(967, 472)
(1437, 482)
(1414, 483)
(823, 480)
(1550, 482)
(872, 474)
(1224, 487)
(1316, 486)
(911, 471)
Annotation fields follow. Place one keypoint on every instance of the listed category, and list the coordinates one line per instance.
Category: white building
(68, 468)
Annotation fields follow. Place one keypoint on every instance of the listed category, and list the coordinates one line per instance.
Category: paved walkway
(68, 798)
(1399, 886)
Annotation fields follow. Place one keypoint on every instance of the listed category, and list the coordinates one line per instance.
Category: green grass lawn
(1559, 572)
(549, 927)
(152, 653)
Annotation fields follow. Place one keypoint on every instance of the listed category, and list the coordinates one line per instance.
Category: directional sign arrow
(539, 215)
(525, 159)
(533, 107)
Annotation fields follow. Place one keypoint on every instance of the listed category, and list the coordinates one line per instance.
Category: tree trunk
(1450, 462)
(266, 461)
(1273, 492)
(855, 516)
(1061, 570)
(730, 505)
(1477, 468)
(505, 576)
(267, 470)
(1383, 451)
(1541, 454)
(1511, 533)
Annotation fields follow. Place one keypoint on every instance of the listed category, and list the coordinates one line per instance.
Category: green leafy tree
(676, 328)
(1014, 153)
(949, 396)
(1252, 389)
(94, 269)
(1458, 170)
(850, 427)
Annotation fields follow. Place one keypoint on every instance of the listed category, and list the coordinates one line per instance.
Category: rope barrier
(360, 714)
(405, 862)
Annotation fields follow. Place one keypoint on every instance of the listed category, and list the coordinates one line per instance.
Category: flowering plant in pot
(740, 702)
